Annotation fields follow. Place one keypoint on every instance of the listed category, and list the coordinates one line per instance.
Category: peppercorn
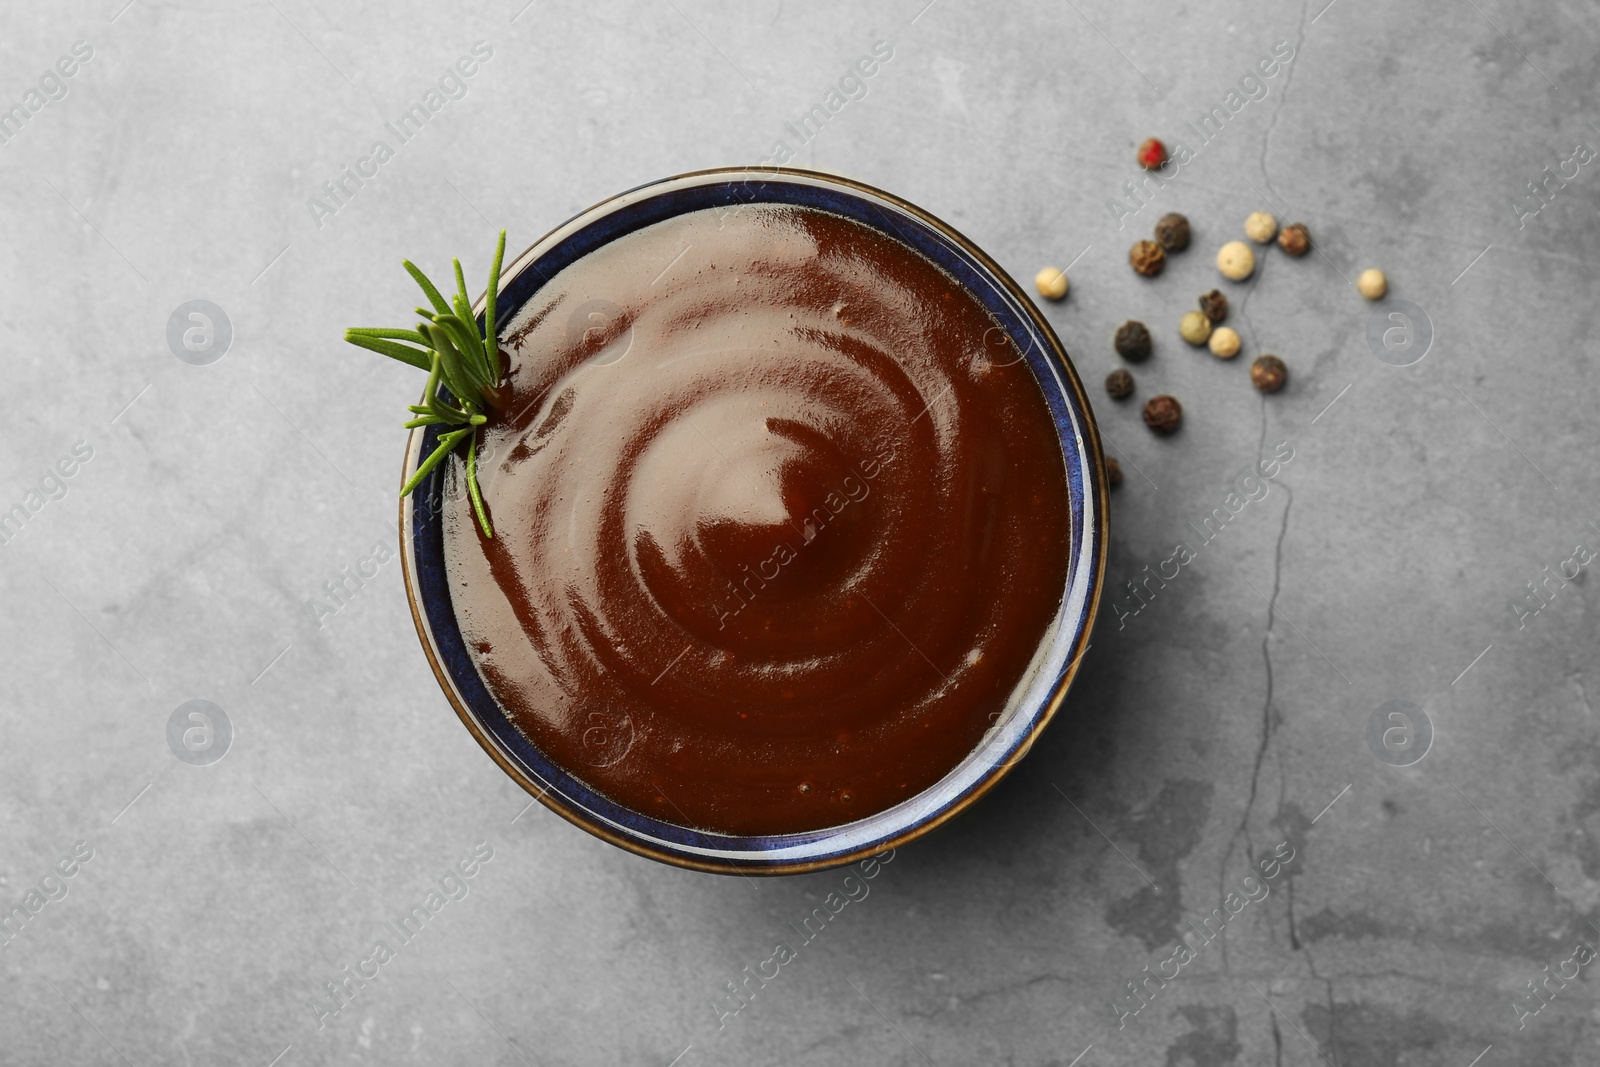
(1132, 341)
(1172, 232)
(1236, 261)
(1119, 383)
(1194, 327)
(1147, 258)
(1163, 413)
(1260, 227)
(1113, 472)
(1051, 283)
(1268, 374)
(1372, 284)
(1215, 305)
(1224, 342)
(1295, 239)
(1152, 153)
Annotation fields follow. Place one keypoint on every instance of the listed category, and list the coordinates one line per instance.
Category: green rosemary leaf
(471, 399)
(461, 283)
(382, 331)
(465, 337)
(444, 412)
(433, 398)
(467, 340)
(416, 357)
(447, 444)
(473, 348)
(472, 487)
(428, 420)
(432, 403)
(447, 414)
(457, 375)
(431, 391)
(427, 287)
(491, 328)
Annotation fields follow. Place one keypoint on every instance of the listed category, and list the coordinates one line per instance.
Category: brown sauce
(779, 522)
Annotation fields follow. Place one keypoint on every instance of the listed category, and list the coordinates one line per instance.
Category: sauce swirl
(780, 520)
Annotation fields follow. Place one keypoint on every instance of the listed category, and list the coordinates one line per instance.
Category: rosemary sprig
(459, 359)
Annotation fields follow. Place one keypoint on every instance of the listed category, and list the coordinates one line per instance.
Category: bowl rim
(1095, 526)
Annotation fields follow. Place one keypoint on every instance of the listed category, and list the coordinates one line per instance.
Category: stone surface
(1221, 715)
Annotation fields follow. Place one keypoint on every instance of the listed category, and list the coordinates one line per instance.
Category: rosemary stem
(460, 363)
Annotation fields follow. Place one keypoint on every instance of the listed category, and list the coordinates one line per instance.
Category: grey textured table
(208, 507)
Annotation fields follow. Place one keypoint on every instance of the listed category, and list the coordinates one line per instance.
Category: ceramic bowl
(1041, 690)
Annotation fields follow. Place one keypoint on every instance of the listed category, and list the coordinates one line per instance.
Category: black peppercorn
(1132, 341)
(1295, 239)
(1268, 374)
(1113, 472)
(1163, 413)
(1215, 305)
(1147, 258)
(1119, 383)
(1172, 232)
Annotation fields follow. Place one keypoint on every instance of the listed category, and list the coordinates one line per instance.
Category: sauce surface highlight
(780, 521)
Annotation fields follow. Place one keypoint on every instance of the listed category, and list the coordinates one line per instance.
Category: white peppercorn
(1051, 283)
(1194, 327)
(1236, 261)
(1261, 227)
(1372, 284)
(1224, 342)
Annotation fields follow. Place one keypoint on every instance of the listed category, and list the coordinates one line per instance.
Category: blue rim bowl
(1038, 695)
